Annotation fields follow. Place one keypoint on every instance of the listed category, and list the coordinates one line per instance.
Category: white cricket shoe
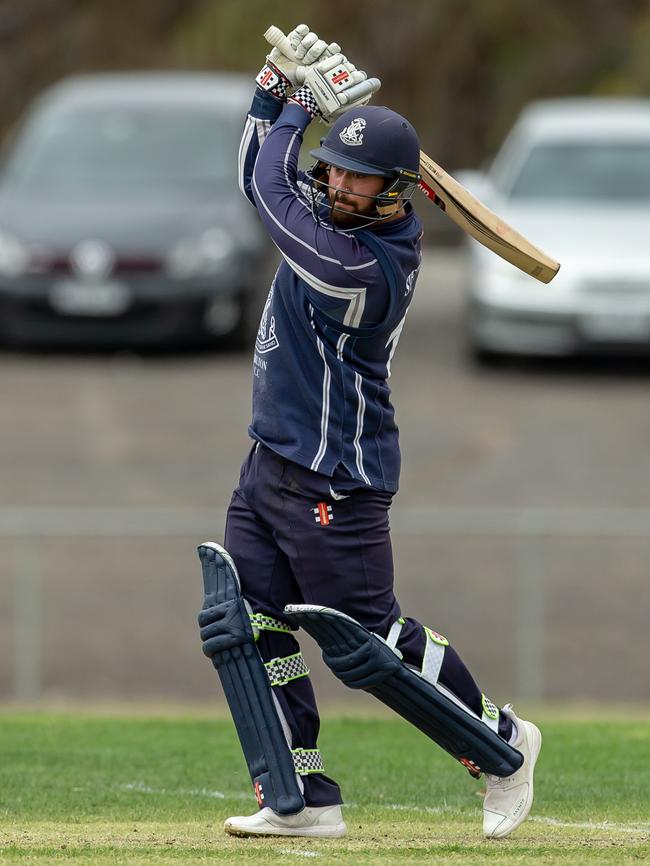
(508, 799)
(319, 822)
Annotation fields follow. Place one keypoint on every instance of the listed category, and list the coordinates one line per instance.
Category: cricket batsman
(307, 541)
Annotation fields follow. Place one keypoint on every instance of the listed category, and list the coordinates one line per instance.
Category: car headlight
(14, 257)
(204, 255)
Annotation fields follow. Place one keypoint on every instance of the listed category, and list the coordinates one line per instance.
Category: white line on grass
(141, 788)
(539, 819)
(593, 825)
(429, 810)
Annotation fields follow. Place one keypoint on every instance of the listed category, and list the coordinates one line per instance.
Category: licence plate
(623, 327)
(78, 298)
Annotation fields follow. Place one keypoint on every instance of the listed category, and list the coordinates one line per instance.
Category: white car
(573, 176)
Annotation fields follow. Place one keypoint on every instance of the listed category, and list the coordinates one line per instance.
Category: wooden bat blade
(483, 224)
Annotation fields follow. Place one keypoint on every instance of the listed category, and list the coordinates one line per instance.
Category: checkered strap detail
(303, 96)
(283, 670)
(307, 761)
(273, 81)
(490, 714)
(269, 623)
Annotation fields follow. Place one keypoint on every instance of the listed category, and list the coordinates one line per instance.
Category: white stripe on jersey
(244, 144)
(263, 128)
(306, 197)
(394, 339)
(339, 346)
(361, 408)
(325, 411)
(358, 267)
(357, 297)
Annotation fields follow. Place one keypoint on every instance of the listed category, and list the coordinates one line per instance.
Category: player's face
(348, 192)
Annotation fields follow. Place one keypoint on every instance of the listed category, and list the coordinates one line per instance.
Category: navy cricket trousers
(298, 536)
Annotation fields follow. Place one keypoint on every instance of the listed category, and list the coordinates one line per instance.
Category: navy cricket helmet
(373, 139)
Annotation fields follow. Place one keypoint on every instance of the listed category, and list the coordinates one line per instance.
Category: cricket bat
(463, 208)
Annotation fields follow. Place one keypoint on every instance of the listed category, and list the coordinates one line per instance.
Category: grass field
(94, 789)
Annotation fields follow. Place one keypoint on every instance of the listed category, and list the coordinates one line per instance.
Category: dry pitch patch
(376, 841)
(100, 790)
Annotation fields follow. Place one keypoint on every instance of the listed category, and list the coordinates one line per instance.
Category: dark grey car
(120, 217)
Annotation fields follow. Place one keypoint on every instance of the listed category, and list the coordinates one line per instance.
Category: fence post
(27, 620)
(529, 631)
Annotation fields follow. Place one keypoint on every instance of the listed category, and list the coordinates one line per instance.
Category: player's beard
(357, 209)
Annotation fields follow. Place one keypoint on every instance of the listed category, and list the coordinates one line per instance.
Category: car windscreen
(117, 148)
(606, 170)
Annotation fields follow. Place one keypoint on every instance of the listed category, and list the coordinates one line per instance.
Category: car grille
(60, 265)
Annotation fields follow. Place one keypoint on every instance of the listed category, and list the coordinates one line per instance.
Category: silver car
(574, 177)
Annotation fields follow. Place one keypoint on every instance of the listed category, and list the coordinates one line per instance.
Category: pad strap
(394, 633)
(490, 714)
(434, 653)
(283, 670)
(307, 761)
(268, 623)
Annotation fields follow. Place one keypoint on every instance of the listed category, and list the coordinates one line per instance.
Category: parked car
(120, 216)
(573, 176)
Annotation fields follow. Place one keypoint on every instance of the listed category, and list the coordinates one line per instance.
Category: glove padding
(308, 49)
(281, 73)
(335, 85)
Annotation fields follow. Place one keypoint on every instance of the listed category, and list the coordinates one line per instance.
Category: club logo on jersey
(266, 340)
(323, 513)
(353, 134)
(410, 281)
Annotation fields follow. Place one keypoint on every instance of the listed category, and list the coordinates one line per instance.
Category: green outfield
(100, 789)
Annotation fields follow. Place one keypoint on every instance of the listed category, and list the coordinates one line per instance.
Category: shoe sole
(536, 745)
(313, 832)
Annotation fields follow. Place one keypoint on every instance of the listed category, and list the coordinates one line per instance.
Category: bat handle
(275, 37)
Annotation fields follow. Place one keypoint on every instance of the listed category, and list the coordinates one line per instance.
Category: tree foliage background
(459, 69)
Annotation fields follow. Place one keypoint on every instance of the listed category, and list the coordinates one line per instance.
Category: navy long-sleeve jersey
(333, 316)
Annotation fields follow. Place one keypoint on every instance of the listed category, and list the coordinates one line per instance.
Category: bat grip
(275, 37)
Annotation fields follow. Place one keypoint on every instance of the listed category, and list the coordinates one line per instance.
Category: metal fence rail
(28, 528)
(480, 521)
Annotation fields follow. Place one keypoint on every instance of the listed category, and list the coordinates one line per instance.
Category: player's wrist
(304, 97)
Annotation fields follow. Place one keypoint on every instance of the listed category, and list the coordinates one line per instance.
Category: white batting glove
(333, 86)
(280, 73)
